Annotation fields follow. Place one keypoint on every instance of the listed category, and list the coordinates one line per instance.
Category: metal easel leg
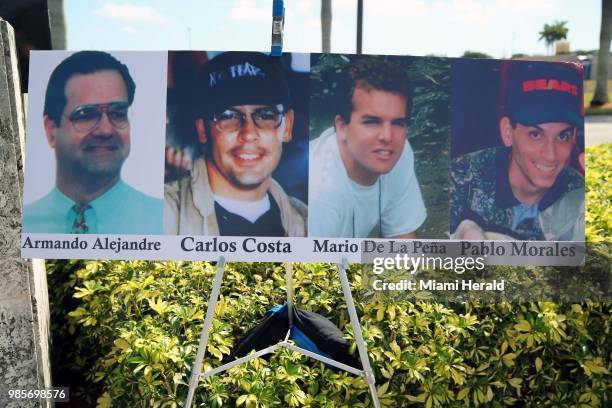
(210, 312)
(212, 302)
(363, 353)
(289, 283)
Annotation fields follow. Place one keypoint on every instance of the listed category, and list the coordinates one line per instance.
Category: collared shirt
(189, 207)
(120, 210)
(481, 192)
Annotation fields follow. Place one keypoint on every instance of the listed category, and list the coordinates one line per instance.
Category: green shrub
(133, 328)
(599, 193)
(145, 319)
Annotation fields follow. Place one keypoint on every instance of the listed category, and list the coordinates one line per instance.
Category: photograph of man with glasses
(86, 121)
(243, 117)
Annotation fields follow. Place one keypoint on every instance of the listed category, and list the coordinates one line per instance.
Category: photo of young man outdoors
(87, 123)
(244, 116)
(362, 178)
(526, 189)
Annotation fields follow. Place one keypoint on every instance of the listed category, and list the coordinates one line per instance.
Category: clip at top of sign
(278, 23)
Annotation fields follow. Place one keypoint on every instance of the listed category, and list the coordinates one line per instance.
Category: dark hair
(83, 62)
(369, 73)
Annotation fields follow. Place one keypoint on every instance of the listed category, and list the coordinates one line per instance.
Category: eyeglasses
(86, 117)
(267, 118)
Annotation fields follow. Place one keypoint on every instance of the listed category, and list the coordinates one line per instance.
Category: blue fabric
(280, 309)
(121, 210)
(297, 335)
(304, 342)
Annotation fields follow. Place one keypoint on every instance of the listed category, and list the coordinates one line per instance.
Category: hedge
(126, 334)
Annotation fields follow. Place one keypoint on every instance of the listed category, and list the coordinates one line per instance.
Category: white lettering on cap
(212, 79)
(236, 71)
(246, 69)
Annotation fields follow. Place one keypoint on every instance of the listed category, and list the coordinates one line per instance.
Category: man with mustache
(526, 189)
(86, 121)
(244, 117)
(362, 179)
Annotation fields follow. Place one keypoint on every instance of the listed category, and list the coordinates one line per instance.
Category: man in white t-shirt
(362, 180)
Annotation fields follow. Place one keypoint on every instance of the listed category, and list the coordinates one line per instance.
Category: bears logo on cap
(552, 84)
(544, 93)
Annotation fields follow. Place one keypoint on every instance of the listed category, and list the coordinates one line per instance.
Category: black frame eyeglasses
(85, 118)
(266, 118)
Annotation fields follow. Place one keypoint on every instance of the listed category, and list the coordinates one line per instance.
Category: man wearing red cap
(244, 118)
(526, 190)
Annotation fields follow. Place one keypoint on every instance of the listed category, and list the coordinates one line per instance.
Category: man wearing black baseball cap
(243, 119)
(526, 190)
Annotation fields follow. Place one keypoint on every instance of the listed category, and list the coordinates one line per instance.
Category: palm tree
(605, 36)
(326, 21)
(554, 32)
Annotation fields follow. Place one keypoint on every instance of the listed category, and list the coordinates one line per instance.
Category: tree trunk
(326, 21)
(605, 36)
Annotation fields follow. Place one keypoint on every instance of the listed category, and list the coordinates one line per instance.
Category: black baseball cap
(242, 78)
(544, 93)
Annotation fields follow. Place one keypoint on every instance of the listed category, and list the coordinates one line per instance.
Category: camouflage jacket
(481, 192)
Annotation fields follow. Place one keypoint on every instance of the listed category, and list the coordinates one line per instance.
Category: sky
(499, 28)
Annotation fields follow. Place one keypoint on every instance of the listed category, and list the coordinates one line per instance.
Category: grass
(589, 90)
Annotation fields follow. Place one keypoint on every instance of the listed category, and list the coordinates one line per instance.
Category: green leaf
(241, 399)
(523, 326)
(380, 314)
(123, 344)
(592, 367)
(462, 394)
(515, 382)
(509, 359)
(105, 401)
(382, 389)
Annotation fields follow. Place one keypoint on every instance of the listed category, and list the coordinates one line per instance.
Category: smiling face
(100, 151)
(373, 140)
(242, 161)
(539, 154)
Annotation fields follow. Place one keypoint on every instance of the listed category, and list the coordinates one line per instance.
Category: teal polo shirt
(121, 210)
